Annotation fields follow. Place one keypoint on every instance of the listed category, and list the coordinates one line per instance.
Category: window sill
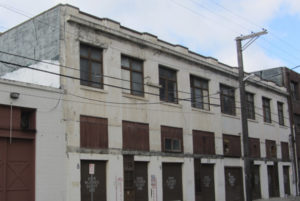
(171, 104)
(269, 124)
(230, 116)
(93, 89)
(150, 84)
(201, 110)
(283, 126)
(252, 120)
(127, 95)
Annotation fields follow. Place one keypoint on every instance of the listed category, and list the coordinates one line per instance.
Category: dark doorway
(172, 182)
(273, 180)
(141, 181)
(234, 184)
(286, 179)
(255, 182)
(204, 181)
(100, 179)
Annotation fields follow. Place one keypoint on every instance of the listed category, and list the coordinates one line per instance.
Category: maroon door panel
(99, 178)
(172, 182)
(204, 180)
(2, 168)
(255, 182)
(273, 180)
(141, 181)
(17, 170)
(234, 184)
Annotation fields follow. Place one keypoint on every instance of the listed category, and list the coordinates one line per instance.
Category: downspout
(293, 133)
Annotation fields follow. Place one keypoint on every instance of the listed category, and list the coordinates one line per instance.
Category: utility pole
(247, 161)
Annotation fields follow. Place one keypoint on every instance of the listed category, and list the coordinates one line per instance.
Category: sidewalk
(281, 199)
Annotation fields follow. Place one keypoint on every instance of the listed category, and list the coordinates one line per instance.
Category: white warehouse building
(146, 120)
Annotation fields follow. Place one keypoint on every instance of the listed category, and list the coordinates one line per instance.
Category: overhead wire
(126, 80)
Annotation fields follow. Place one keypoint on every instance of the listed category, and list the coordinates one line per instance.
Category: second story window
(132, 73)
(227, 100)
(271, 150)
(280, 113)
(171, 139)
(168, 82)
(266, 109)
(91, 67)
(294, 90)
(250, 106)
(199, 93)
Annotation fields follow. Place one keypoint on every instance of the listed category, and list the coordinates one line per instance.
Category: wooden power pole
(247, 161)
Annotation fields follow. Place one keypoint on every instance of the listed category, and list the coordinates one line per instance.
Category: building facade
(32, 143)
(290, 79)
(148, 120)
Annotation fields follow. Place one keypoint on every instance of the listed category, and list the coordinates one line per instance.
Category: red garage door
(16, 170)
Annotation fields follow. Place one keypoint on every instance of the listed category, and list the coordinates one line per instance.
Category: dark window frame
(89, 82)
(144, 137)
(254, 147)
(294, 90)
(229, 96)
(204, 142)
(266, 104)
(250, 105)
(280, 113)
(173, 140)
(194, 99)
(271, 149)
(285, 154)
(173, 133)
(131, 71)
(234, 146)
(165, 79)
(88, 120)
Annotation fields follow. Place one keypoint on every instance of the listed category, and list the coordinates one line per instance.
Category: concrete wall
(50, 150)
(37, 38)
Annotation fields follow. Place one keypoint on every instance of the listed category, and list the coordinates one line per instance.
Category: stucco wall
(50, 144)
(177, 115)
(37, 39)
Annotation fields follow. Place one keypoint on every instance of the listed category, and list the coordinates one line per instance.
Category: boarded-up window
(135, 136)
(204, 142)
(93, 132)
(254, 147)
(232, 145)
(271, 150)
(171, 139)
(22, 118)
(285, 151)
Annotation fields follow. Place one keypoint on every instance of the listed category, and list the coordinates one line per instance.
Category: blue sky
(207, 27)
